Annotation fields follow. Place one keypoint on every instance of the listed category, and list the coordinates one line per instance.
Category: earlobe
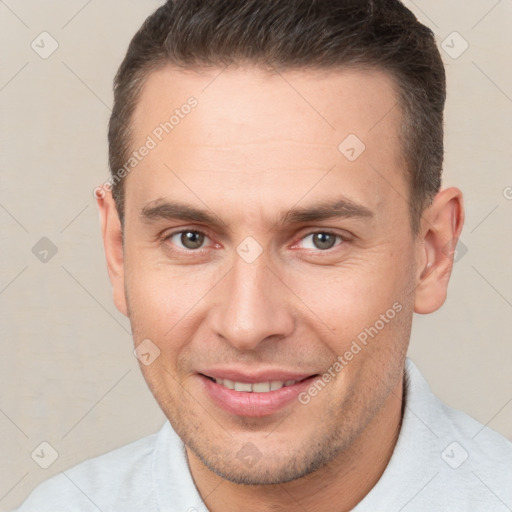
(441, 228)
(112, 235)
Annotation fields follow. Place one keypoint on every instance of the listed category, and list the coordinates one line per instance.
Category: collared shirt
(444, 460)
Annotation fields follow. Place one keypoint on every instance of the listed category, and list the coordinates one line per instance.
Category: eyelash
(326, 232)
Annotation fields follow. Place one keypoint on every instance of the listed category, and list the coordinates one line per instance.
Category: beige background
(68, 374)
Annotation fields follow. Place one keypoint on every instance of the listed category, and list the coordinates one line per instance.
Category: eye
(322, 240)
(189, 239)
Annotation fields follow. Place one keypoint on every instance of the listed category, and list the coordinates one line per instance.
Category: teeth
(228, 384)
(261, 387)
(257, 387)
(243, 386)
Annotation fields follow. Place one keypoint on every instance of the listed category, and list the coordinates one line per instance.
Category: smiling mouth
(255, 387)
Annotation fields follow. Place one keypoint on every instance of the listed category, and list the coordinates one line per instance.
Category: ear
(113, 244)
(440, 229)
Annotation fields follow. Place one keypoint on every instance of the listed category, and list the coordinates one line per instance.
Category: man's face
(258, 293)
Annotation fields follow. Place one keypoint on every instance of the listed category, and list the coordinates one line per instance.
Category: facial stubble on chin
(328, 442)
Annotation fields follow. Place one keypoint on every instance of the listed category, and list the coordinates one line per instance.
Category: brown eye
(191, 239)
(322, 240)
(188, 239)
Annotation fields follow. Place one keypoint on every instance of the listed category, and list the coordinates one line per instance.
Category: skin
(256, 146)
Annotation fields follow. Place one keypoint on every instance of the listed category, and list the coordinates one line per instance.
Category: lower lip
(253, 404)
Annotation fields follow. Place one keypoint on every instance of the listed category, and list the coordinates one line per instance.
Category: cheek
(360, 302)
(165, 303)
(344, 295)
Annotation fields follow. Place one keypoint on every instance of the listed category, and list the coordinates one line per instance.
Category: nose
(252, 306)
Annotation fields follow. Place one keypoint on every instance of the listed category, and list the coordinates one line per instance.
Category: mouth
(255, 397)
(255, 387)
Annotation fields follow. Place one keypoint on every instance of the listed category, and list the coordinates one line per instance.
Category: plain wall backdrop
(69, 377)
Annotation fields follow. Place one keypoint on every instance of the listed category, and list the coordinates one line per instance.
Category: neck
(346, 480)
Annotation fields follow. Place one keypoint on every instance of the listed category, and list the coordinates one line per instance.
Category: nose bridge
(252, 304)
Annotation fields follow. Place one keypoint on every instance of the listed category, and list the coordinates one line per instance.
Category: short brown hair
(295, 34)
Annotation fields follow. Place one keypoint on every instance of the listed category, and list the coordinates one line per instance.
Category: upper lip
(255, 376)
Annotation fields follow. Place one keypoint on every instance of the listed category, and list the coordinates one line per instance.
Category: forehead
(259, 131)
(328, 102)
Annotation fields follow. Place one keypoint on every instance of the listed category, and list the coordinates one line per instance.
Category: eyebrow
(173, 210)
(340, 208)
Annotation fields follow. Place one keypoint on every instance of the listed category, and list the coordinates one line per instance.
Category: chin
(249, 466)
